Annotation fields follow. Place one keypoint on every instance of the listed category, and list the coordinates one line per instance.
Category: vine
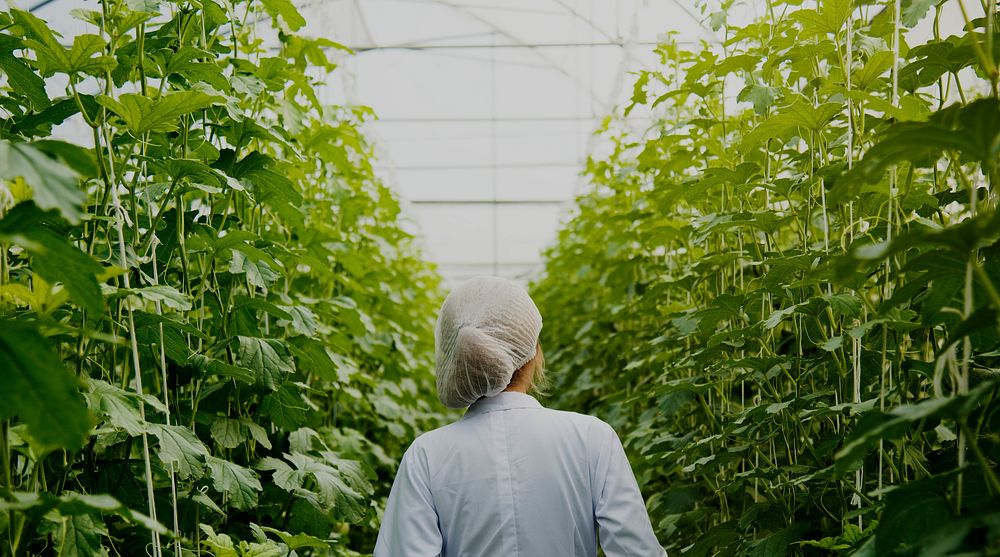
(786, 299)
(209, 312)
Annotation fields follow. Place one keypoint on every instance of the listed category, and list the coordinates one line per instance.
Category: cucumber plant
(215, 337)
(784, 292)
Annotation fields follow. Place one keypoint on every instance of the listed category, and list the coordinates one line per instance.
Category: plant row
(784, 292)
(214, 333)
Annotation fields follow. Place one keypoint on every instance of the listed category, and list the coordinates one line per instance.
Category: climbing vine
(214, 336)
(783, 292)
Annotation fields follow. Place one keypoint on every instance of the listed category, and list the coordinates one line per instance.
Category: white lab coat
(515, 479)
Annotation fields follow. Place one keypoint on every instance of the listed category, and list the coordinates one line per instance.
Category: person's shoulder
(592, 426)
(436, 436)
(575, 417)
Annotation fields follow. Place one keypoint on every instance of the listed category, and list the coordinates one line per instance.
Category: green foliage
(48, 397)
(208, 311)
(784, 291)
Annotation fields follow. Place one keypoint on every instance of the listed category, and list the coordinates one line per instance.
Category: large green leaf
(221, 545)
(212, 366)
(80, 159)
(240, 485)
(169, 296)
(229, 433)
(78, 535)
(286, 11)
(78, 58)
(41, 123)
(254, 263)
(182, 448)
(71, 503)
(51, 57)
(268, 358)
(285, 407)
(970, 131)
(47, 396)
(340, 486)
(828, 19)
(21, 78)
(119, 408)
(142, 114)
(54, 258)
(297, 541)
(876, 425)
(797, 118)
(53, 185)
(913, 511)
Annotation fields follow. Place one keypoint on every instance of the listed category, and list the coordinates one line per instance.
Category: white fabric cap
(487, 329)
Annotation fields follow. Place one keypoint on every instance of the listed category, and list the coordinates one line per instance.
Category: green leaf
(220, 544)
(844, 305)
(301, 319)
(53, 185)
(875, 425)
(74, 504)
(229, 433)
(912, 511)
(120, 408)
(877, 64)
(257, 433)
(142, 114)
(79, 58)
(34, 28)
(638, 92)
(797, 118)
(171, 335)
(297, 541)
(40, 123)
(54, 258)
(21, 78)
(182, 448)
(914, 11)
(240, 485)
(776, 544)
(778, 316)
(277, 192)
(79, 159)
(253, 262)
(285, 11)
(52, 57)
(48, 397)
(285, 407)
(166, 295)
(313, 357)
(717, 536)
(268, 358)
(212, 366)
(828, 20)
(972, 130)
(761, 96)
(78, 535)
(341, 486)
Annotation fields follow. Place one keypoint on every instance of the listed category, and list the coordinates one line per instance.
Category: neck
(522, 378)
(516, 389)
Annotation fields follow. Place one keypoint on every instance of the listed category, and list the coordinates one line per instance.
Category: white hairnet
(487, 329)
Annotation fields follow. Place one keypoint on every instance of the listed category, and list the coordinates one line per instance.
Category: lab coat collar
(506, 400)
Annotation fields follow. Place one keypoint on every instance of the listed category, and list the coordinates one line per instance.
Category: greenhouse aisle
(776, 277)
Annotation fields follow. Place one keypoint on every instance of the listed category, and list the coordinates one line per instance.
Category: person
(511, 478)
